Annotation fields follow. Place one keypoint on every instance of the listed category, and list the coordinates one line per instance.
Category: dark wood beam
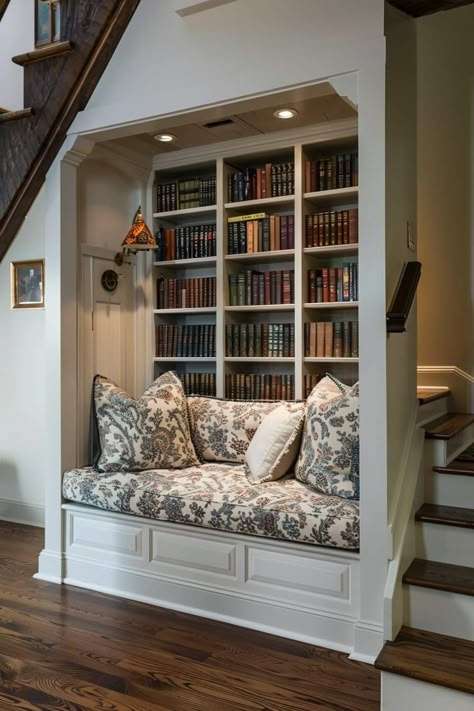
(417, 8)
(56, 89)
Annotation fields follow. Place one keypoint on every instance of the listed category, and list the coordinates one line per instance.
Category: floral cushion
(322, 394)
(331, 457)
(219, 496)
(146, 433)
(223, 429)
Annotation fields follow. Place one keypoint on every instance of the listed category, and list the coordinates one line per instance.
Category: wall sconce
(139, 238)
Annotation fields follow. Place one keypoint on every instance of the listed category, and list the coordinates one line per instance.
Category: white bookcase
(220, 160)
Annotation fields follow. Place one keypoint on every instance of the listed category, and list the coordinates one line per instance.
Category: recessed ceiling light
(165, 137)
(285, 113)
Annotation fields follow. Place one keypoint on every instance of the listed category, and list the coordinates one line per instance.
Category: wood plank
(426, 395)
(66, 648)
(448, 425)
(38, 55)
(430, 657)
(6, 116)
(446, 516)
(440, 576)
(457, 466)
(57, 88)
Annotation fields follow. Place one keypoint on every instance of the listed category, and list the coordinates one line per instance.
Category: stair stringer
(408, 498)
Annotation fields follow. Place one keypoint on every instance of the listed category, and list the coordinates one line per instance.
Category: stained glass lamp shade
(139, 236)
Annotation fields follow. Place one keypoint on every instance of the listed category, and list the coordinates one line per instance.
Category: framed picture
(27, 280)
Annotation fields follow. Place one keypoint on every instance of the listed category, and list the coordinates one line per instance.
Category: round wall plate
(109, 280)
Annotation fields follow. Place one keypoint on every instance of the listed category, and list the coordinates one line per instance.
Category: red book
(332, 284)
(353, 226)
(325, 275)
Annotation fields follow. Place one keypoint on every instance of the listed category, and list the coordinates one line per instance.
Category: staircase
(436, 645)
(58, 81)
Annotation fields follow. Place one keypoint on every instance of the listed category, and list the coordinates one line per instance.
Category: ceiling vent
(218, 124)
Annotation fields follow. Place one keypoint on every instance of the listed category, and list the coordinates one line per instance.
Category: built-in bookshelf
(256, 276)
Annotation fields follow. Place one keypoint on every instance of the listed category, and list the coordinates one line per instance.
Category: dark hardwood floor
(67, 648)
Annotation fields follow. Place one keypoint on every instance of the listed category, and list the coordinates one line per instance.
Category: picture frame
(27, 284)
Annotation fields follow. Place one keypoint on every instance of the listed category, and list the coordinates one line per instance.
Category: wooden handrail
(3, 6)
(401, 304)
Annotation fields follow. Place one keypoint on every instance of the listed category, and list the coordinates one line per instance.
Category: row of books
(251, 386)
(333, 227)
(189, 242)
(260, 340)
(260, 233)
(254, 288)
(186, 341)
(183, 194)
(193, 293)
(333, 284)
(338, 171)
(328, 339)
(310, 381)
(271, 180)
(198, 383)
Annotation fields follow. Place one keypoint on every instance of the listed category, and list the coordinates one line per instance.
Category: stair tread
(446, 515)
(427, 656)
(440, 576)
(463, 464)
(14, 115)
(448, 425)
(426, 395)
(38, 55)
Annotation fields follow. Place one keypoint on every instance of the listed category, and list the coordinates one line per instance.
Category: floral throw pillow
(223, 429)
(328, 389)
(149, 433)
(331, 462)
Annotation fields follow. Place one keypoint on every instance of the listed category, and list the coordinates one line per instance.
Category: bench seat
(219, 496)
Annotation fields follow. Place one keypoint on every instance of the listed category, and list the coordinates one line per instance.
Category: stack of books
(271, 180)
(186, 341)
(332, 227)
(260, 233)
(260, 340)
(337, 171)
(333, 284)
(191, 242)
(245, 386)
(199, 383)
(183, 194)
(197, 293)
(254, 288)
(331, 339)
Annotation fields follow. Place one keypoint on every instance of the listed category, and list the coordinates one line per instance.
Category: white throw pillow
(275, 445)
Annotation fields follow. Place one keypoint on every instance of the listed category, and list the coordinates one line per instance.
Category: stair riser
(444, 451)
(439, 611)
(445, 544)
(400, 692)
(448, 489)
(432, 411)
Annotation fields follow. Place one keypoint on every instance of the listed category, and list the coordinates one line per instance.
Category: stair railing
(402, 301)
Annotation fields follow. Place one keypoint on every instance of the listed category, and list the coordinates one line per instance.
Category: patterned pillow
(223, 429)
(331, 460)
(326, 390)
(149, 433)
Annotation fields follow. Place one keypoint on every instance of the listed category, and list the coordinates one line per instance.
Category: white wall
(17, 35)
(446, 205)
(23, 394)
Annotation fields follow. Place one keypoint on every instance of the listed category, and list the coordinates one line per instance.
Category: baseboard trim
(459, 382)
(368, 641)
(50, 566)
(445, 370)
(21, 512)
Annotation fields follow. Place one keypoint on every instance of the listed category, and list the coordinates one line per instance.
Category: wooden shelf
(257, 359)
(280, 255)
(262, 307)
(332, 305)
(187, 212)
(337, 196)
(187, 263)
(334, 249)
(187, 359)
(245, 205)
(331, 360)
(164, 312)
